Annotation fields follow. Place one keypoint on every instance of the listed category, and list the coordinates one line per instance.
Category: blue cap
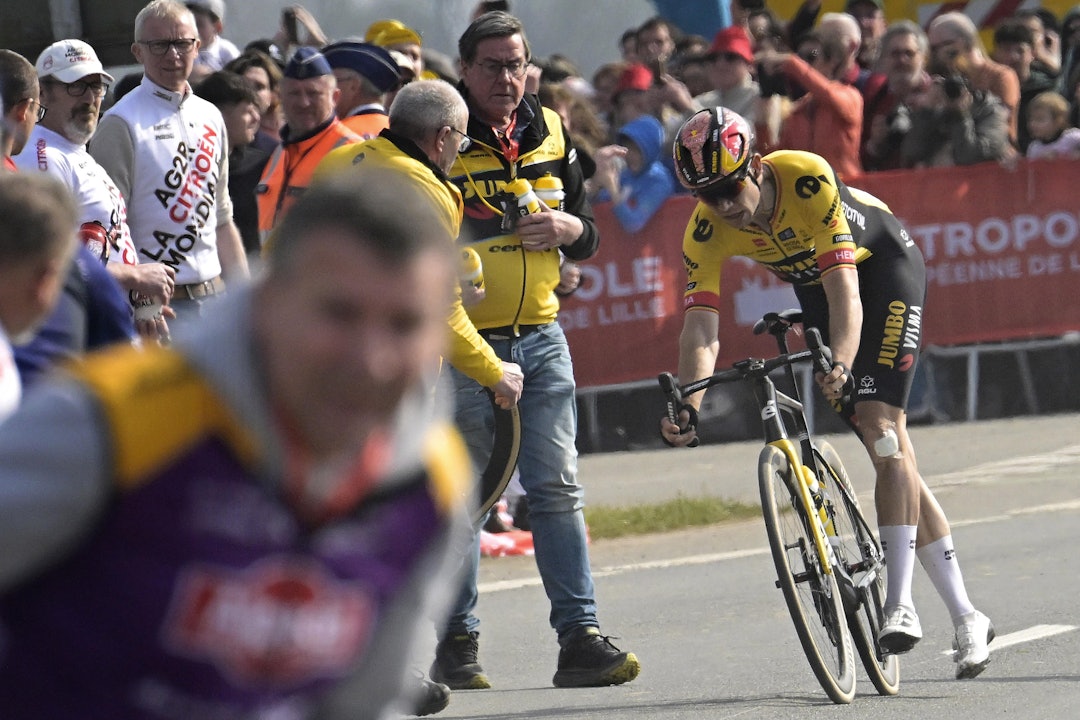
(307, 63)
(371, 61)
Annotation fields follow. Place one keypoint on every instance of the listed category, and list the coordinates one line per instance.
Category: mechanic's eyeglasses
(465, 143)
(494, 69)
(41, 109)
(79, 87)
(723, 191)
(159, 47)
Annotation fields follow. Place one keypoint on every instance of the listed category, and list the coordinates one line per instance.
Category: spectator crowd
(178, 182)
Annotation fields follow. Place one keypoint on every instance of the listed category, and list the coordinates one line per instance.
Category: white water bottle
(549, 189)
(527, 202)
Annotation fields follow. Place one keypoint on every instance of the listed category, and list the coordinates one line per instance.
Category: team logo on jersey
(283, 621)
(703, 230)
(786, 234)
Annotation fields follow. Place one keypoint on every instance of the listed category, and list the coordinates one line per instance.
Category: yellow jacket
(519, 285)
(468, 352)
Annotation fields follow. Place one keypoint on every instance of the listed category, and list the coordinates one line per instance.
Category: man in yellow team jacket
(422, 142)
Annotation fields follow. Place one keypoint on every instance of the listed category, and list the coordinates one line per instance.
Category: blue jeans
(547, 464)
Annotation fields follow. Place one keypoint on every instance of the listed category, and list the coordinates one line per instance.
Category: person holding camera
(955, 45)
(955, 124)
(887, 118)
(827, 119)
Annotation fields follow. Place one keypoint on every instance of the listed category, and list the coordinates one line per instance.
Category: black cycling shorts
(893, 292)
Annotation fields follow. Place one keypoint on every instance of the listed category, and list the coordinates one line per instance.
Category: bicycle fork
(815, 510)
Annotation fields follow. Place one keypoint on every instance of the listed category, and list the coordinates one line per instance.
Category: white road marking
(503, 585)
(1009, 469)
(1031, 634)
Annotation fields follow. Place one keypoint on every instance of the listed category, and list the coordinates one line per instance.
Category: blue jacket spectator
(91, 313)
(639, 183)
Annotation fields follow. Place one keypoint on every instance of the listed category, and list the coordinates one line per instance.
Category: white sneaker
(900, 631)
(973, 634)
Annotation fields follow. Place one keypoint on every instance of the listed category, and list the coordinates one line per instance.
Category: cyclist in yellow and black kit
(861, 280)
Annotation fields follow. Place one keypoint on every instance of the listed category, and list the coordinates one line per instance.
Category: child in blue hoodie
(636, 182)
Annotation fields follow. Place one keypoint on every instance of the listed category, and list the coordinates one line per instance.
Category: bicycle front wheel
(863, 561)
(812, 595)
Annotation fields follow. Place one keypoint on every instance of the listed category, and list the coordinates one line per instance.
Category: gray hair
(903, 27)
(161, 10)
(959, 24)
(495, 24)
(422, 107)
(838, 33)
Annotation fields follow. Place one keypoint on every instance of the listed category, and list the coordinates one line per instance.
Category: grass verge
(682, 512)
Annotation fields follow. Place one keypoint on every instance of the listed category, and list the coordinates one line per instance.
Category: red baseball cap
(634, 77)
(733, 39)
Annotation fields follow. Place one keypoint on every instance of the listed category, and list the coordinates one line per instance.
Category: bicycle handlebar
(747, 369)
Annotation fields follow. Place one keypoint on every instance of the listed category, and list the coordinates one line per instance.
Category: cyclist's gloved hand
(839, 384)
(679, 427)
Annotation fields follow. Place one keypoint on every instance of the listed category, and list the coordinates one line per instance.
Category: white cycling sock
(939, 560)
(898, 542)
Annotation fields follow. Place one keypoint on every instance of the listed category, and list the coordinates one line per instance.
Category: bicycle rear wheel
(812, 595)
(862, 558)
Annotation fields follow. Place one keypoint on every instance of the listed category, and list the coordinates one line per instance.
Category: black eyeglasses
(79, 87)
(160, 47)
(722, 191)
(466, 141)
(41, 109)
(494, 69)
(809, 56)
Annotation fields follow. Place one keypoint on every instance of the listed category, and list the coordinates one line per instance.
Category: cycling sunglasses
(728, 190)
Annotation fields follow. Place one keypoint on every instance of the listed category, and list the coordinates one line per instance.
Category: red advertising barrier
(1002, 250)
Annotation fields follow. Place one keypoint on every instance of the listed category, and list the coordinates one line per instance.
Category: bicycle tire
(812, 595)
(859, 550)
(506, 443)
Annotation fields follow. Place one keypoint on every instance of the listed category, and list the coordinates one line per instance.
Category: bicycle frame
(774, 403)
(829, 544)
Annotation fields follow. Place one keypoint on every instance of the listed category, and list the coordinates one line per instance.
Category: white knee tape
(888, 445)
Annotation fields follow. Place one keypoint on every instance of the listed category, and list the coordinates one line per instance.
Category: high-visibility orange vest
(289, 170)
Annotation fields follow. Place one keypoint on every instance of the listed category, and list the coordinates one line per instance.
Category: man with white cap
(165, 148)
(73, 84)
(364, 73)
(309, 94)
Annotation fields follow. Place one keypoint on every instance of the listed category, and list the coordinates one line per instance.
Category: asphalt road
(700, 609)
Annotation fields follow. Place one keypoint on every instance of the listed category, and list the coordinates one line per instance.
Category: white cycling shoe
(973, 633)
(900, 631)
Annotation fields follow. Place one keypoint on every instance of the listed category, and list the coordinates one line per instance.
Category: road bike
(828, 561)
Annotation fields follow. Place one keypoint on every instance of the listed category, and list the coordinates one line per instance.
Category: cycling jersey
(519, 284)
(95, 193)
(166, 152)
(820, 224)
(191, 587)
(467, 351)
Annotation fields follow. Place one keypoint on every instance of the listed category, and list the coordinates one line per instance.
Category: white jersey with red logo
(167, 153)
(95, 193)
